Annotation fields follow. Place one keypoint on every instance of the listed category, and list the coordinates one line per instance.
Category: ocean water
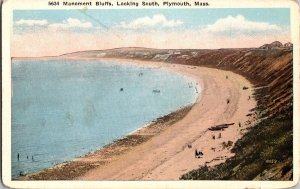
(62, 109)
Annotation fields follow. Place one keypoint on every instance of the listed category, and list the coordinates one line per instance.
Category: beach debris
(227, 144)
(121, 89)
(220, 127)
(198, 153)
(220, 135)
(156, 91)
(245, 88)
(247, 122)
(249, 115)
(228, 100)
(189, 146)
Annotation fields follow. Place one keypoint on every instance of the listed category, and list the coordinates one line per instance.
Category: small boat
(156, 91)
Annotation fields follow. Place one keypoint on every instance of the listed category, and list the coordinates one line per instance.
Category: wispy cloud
(24, 22)
(240, 25)
(155, 21)
(71, 23)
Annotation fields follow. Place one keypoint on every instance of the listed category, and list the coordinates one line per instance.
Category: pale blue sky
(191, 18)
(63, 31)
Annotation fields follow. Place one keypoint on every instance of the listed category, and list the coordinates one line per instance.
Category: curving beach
(160, 151)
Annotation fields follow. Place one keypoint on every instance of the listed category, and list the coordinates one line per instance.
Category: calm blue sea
(62, 109)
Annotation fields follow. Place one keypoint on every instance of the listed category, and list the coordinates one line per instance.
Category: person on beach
(198, 154)
(18, 156)
(32, 158)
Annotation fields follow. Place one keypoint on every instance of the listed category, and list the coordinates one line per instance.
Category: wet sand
(160, 151)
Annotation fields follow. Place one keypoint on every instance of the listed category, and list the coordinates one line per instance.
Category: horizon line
(121, 48)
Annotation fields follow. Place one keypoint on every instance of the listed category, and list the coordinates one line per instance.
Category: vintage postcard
(123, 94)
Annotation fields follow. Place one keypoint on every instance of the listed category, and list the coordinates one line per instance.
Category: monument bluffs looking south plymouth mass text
(128, 3)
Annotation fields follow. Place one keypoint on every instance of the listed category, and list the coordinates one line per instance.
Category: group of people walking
(27, 157)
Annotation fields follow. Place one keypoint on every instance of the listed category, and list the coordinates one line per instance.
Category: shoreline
(108, 163)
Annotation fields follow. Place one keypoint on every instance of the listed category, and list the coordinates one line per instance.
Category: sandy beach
(160, 151)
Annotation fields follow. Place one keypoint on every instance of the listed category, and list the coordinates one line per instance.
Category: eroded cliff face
(266, 151)
(270, 69)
